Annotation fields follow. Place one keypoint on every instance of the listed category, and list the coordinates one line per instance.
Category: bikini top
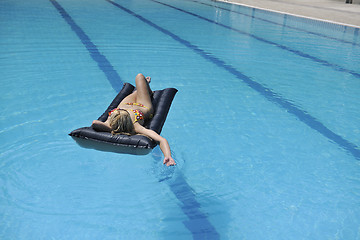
(139, 115)
(140, 105)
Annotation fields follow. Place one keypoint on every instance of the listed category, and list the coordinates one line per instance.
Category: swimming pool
(264, 127)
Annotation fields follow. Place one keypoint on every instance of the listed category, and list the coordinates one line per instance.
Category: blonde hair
(121, 123)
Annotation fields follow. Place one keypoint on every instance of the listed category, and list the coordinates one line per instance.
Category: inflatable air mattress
(135, 144)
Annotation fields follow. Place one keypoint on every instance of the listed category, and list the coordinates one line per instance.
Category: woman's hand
(163, 143)
(169, 161)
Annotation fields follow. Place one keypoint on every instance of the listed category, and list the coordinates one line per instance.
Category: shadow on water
(197, 223)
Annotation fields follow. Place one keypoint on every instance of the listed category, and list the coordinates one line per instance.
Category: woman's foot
(148, 79)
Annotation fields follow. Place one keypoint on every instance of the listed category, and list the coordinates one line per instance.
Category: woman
(130, 115)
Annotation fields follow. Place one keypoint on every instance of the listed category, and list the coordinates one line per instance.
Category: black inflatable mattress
(136, 144)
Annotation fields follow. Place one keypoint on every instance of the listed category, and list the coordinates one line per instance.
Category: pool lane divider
(283, 47)
(102, 62)
(266, 92)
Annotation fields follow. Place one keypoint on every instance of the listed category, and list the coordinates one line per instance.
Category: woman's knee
(140, 76)
(141, 82)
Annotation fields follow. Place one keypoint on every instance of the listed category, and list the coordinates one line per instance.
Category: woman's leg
(129, 99)
(143, 91)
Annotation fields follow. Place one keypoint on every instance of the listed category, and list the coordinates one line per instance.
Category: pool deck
(336, 11)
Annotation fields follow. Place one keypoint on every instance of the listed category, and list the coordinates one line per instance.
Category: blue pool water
(265, 126)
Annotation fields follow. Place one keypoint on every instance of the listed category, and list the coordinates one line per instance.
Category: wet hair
(121, 123)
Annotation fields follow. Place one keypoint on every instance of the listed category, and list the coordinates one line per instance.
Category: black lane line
(283, 47)
(102, 62)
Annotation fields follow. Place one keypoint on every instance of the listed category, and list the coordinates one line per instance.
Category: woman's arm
(163, 143)
(101, 126)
